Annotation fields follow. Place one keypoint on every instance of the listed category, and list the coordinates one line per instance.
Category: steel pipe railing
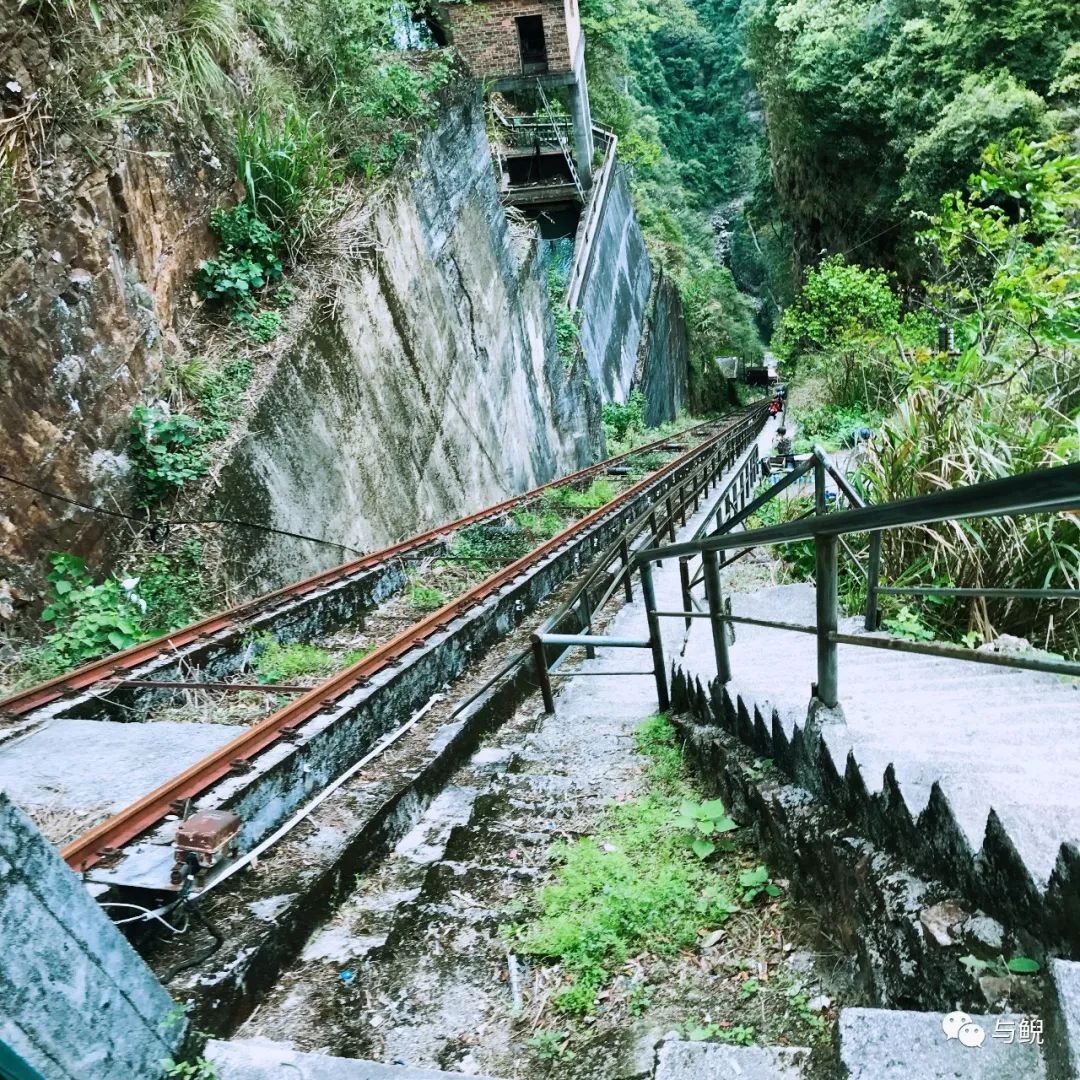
(1040, 492)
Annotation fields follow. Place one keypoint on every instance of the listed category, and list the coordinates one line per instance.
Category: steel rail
(119, 664)
(109, 836)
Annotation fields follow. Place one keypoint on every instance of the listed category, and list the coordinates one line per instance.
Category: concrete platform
(879, 1044)
(257, 1059)
(83, 763)
(714, 1061)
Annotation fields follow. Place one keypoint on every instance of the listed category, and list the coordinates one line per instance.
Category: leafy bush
(540, 526)
(89, 619)
(618, 418)
(166, 451)
(248, 259)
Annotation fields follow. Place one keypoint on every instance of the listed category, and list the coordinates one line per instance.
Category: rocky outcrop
(99, 249)
(663, 368)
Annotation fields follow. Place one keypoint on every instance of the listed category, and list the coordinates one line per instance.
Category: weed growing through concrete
(278, 663)
(599, 493)
(636, 923)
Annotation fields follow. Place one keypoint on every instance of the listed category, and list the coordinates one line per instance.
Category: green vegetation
(277, 663)
(877, 109)
(620, 420)
(424, 598)
(642, 882)
(581, 501)
(1002, 263)
(542, 525)
(567, 328)
(166, 451)
(684, 129)
(152, 595)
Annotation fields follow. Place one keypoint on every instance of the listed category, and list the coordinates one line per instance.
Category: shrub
(166, 450)
(89, 619)
(619, 419)
(247, 261)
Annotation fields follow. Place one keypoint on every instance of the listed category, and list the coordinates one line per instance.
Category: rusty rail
(120, 664)
(108, 837)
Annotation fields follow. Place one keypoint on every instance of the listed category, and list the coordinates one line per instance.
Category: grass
(277, 663)
(581, 500)
(637, 885)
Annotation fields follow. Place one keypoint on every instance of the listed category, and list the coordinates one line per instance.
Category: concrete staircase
(968, 771)
(261, 1059)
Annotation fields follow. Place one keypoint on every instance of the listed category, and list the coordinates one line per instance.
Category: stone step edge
(994, 877)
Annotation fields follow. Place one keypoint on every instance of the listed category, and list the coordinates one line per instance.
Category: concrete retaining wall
(615, 295)
(76, 1001)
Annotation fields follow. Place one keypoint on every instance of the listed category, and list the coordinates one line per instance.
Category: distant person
(774, 407)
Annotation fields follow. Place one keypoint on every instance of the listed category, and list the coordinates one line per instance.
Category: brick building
(514, 45)
(506, 38)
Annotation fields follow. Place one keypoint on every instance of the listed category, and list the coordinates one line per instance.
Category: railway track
(122, 664)
(109, 837)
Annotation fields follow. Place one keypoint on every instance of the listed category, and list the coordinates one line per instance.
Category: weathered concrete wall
(663, 370)
(75, 999)
(615, 294)
(431, 386)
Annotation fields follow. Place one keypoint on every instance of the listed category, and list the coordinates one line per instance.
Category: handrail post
(656, 642)
(542, 676)
(684, 581)
(711, 570)
(586, 619)
(628, 585)
(873, 577)
(819, 485)
(825, 548)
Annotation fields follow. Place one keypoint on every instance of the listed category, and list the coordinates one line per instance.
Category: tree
(842, 320)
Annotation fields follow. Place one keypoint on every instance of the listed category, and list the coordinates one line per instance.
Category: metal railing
(1041, 492)
(571, 626)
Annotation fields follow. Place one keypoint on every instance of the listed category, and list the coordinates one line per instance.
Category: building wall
(76, 1002)
(485, 34)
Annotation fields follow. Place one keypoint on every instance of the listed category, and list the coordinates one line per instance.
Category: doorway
(533, 44)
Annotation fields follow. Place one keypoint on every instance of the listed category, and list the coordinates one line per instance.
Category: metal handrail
(1043, 491)
(647, 525)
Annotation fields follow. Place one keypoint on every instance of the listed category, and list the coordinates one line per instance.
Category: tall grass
(285, 166)
(930, 446)
(208, 36)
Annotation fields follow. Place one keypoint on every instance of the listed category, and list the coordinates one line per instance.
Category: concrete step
(1063, 1021)
(714, 1061)
(884, 1044)
(258, 1059)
